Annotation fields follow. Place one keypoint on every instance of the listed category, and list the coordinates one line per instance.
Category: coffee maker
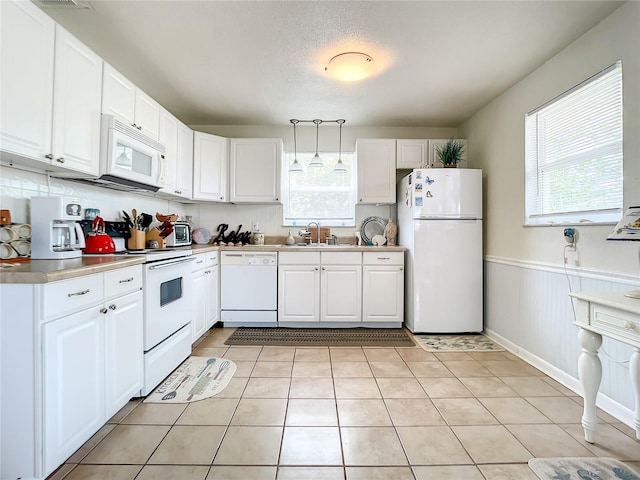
(55, 233)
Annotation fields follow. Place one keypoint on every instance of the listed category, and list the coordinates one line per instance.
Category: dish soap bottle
(290, 240)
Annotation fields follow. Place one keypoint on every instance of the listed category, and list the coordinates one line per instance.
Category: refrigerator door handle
(443, 217)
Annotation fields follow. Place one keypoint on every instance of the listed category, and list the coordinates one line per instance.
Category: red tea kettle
(98, 241)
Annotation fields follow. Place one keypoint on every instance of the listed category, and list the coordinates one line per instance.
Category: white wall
(496, 134)
(526, 289)
(17, 185)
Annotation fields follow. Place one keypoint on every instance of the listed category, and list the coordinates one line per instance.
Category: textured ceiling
(262, 62)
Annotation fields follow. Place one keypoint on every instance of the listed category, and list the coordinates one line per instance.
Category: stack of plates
(371, 227)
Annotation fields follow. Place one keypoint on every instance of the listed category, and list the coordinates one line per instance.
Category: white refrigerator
(440, 224)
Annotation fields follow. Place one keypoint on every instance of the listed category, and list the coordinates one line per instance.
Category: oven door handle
(170, 264)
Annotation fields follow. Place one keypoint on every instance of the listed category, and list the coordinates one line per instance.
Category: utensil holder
(137, 239)
(154, 234)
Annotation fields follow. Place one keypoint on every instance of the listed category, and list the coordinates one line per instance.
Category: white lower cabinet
(299, 287)
(123, 344)
(73, 383)
(319, 287)
(206, 294)
(73, 360)
(383, 287)
(341, 287)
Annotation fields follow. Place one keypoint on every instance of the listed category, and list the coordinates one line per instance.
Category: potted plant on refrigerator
(450, 154)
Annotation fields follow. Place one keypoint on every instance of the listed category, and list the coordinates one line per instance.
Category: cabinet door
(123, 350)
(147, 114)
(184, 165)
(341, 293)
(76, 105)
(209, 167)
(299, 293)
(73, 379)
(200, 307)
(26, 83)
(383, 293)
(118, 95)
(376, 160)
(412, 153)
(169, 138)
(255, 170)
(213, 296)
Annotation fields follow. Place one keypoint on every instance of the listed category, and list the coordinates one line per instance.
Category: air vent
(62, 3)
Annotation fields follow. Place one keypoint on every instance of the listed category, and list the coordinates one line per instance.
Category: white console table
(613, 315)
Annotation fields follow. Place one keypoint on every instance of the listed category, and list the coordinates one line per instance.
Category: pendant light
(316, 161)
(296, 166)
(340, 166)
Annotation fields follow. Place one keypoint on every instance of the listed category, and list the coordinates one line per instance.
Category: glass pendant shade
(340, 166)
(316, 161)
(296, 166)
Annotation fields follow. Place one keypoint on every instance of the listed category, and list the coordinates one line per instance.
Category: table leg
(590, 372)
(634, 367)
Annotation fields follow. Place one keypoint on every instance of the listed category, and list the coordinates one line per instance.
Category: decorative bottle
(290, 240)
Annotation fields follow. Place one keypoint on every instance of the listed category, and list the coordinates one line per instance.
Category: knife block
(154, 234)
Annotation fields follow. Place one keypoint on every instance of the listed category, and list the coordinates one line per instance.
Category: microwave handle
(163, 169)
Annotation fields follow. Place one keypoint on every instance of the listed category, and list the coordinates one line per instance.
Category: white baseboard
(607, 404)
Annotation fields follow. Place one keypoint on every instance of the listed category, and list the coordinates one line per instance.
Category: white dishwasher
(249, 288)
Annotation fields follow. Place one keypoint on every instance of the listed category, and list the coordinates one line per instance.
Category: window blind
(574, 162)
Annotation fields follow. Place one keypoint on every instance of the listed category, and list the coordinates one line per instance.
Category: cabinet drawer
(341, 258)
(383, 258)
(71, 295)
(616, 322)
(299, 258)
(122, 281)
(199, 262)
(210, 259)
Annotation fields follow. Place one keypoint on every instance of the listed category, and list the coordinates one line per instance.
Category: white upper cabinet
(77, 96)
(122, 98)
(49, 121)
(412, 153)
(26, 83)
(210, 159)
(184, 166)
(255, 170)
(376, 159)
(169, 138)
(177, 174)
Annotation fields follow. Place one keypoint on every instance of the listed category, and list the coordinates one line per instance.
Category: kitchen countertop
(300, 248)
(45, 271)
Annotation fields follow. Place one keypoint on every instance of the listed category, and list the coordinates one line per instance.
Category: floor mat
(457, 343)
(332, 337)
(595, 468)
(195, 379)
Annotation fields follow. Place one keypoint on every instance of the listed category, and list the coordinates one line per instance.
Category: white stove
(156, 254)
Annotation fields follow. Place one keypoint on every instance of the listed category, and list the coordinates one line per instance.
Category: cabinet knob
(60, 159)
(112, 306)
(49, 156)
(139, 127)
(103, 310)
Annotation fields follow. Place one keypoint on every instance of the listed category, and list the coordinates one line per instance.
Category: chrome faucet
(317, 231)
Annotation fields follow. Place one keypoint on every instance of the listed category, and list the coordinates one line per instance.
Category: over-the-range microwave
(129, 159)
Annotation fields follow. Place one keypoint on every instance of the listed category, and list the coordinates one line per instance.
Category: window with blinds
(574, 154)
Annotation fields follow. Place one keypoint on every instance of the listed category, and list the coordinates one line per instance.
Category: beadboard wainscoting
(528, 310)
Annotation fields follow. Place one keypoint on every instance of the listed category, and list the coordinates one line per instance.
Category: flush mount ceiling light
(350, 66)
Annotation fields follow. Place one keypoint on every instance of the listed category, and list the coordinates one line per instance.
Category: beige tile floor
(352, 414)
